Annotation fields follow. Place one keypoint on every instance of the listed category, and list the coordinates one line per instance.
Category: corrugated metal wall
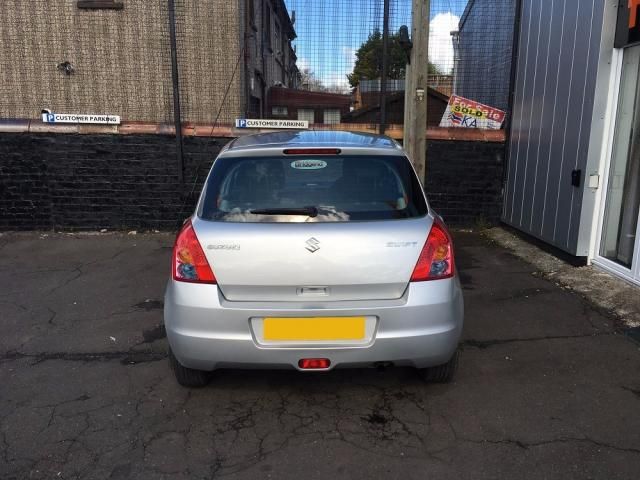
(558, 51)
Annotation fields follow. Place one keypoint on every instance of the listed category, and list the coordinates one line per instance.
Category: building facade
(114, 57)
(314, 107)
(573, 175)
(483, 51)
(270, 60)
(368, 105)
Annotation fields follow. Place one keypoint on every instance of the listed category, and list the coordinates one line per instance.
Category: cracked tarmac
(547, 387)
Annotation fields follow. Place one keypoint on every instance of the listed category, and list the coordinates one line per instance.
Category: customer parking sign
(48, 117)
(268, 123)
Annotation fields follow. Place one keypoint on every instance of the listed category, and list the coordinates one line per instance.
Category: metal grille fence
(70, 60)
(339, 45)
(294, 59)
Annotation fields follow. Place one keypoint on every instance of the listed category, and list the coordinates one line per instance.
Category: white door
(307, 114)
(620, 230)
(331, 116)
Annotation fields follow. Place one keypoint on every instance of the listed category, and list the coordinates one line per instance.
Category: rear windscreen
(312, 189)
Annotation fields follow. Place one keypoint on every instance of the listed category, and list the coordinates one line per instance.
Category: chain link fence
(68, 57)
(320, 61)
(70, 60)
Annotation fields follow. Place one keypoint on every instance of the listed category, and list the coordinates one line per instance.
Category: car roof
(313, 138)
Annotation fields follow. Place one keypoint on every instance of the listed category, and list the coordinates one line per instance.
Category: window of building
(254, 107)
(252, 14)
(285, 47)
(279, 111)
(622, 207)
(100, 4)
(331, 115)
(267, 26)
(307, 114)
(277, 43)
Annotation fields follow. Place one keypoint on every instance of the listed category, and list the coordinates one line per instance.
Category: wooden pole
(415, 114)
(175, 77)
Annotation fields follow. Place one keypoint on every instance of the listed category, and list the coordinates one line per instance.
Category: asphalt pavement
(548, 387)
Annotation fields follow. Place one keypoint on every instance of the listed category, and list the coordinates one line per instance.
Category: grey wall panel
(553, 103)
(564, 52)
(588, 85)
(578, 33)
(535, 92)
(521, 110)
(516, 115)
(575, 134)
(550, 36)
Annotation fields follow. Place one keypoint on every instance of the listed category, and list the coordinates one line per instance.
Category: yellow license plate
(314, 328)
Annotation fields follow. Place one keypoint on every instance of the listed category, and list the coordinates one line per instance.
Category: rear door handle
(313, 291)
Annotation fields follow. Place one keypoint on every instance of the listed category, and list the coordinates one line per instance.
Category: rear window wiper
(308, 211)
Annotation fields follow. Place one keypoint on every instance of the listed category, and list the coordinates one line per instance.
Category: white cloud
(440, 40)
(338, 81)
(349, 54)
(302, 64)
(333, 76)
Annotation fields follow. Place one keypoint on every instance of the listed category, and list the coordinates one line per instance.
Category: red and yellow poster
(465, 113)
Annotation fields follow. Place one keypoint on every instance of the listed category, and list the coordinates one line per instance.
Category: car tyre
(441, 373)
(188, 377)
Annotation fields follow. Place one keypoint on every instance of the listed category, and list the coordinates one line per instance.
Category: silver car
(313, 250)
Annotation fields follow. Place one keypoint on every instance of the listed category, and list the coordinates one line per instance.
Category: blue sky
(330, 31)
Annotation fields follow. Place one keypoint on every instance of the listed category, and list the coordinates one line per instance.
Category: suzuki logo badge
(313, 244)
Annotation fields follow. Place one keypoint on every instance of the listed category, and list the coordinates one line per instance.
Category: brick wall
(89, 182)
(464, 180)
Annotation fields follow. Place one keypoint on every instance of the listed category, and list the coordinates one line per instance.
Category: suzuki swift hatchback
(313, 251)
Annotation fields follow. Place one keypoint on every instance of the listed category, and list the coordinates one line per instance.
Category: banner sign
(465, 113)
(266, 123)
(80, 118)
(628, 26)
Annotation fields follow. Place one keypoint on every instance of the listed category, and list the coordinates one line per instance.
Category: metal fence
(64, 56)
(320, 61)
(57, 56)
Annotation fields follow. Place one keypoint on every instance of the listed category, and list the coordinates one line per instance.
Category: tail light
(189, 261)
(436, 258)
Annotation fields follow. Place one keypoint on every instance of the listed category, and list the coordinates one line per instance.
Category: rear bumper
(206, 331)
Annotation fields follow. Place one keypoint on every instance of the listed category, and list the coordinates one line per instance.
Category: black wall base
(464, 181)
(90, 182)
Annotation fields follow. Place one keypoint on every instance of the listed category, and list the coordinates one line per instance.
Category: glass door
(619, 242)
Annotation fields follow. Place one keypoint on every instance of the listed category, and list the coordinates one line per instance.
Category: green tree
(368, 63)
